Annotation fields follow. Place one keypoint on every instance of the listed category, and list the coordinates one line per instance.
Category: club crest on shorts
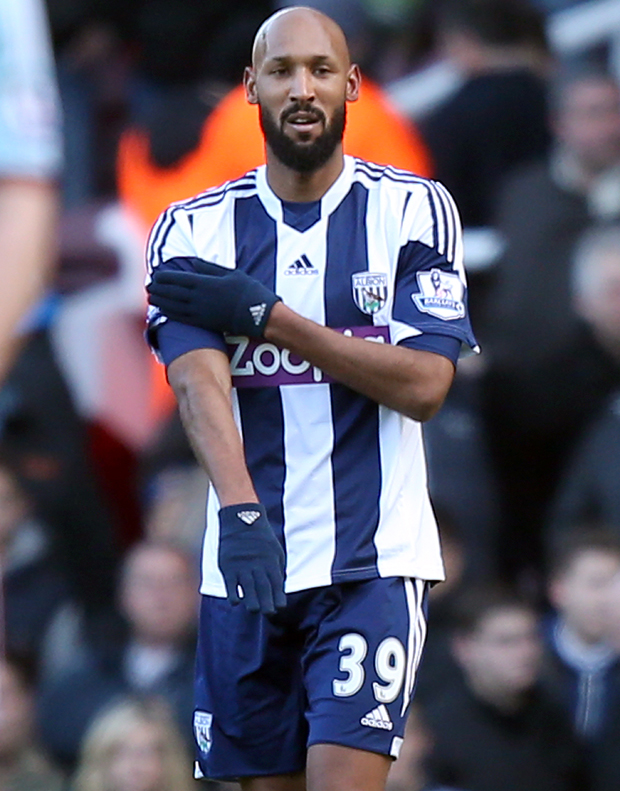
(440, 295)
(202, 730)
(370, 290)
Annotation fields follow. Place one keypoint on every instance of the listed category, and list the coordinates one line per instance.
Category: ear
(460, 648)
(555, 592)
(354, 80)
(249, 82)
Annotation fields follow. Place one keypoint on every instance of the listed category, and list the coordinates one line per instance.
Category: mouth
(303, 121)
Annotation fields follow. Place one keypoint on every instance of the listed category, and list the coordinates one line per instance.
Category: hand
(213, 297)
(250, 557)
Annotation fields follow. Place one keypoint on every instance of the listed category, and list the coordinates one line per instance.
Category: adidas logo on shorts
(378, 718)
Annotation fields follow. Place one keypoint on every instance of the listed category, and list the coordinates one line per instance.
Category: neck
(507, 702)
(609, 341)
(291, 185)
(154, 642)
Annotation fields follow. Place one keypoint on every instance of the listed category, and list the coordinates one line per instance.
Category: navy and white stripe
(343, 478)
(415, 593)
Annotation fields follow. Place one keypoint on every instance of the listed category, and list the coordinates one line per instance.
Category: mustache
(303, 107)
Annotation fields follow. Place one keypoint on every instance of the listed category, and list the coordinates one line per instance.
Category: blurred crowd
(111, 110)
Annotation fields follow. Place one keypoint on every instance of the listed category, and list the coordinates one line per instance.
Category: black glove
(215, 298)
(250, 556)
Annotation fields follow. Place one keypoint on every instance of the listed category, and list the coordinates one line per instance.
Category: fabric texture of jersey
(337, 665)
(343, 478)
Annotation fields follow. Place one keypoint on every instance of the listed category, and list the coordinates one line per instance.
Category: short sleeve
(170, 246)
(430, 292)
(444, 345)
(172, 339)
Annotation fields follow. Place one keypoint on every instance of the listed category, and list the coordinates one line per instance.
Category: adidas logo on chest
(302, 266)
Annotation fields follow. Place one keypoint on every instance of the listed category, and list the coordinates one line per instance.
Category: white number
(351, 664)
(390, 667)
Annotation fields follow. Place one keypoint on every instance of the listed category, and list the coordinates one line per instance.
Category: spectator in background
(176, 506)
(589, 490)
(408, 772)
(92, 68)
(438, 668)
(23, 766)
(153, 654)
(37, 419)
(582, 669)
(33, 587)
(538, 406)
(607, 756)
(542, 211)
(134, 745)
(497, 119)
(30, 159)
(494, 122)
(46, 442)
(495, 729)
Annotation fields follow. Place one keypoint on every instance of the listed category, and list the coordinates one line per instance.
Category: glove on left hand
(250, 557)
(213, 297)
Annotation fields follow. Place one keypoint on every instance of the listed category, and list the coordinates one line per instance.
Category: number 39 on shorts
(389, 661)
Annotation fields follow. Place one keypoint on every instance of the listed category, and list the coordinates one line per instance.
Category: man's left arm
(410, 381)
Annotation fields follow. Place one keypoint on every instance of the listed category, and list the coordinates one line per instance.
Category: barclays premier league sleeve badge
(441, 295)
(370, 291)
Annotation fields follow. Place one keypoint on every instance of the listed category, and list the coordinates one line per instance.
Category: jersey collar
(329, 202)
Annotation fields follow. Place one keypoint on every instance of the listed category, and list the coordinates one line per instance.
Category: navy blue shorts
(337, 665)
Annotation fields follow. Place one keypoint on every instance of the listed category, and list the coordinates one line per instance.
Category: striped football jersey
(380, 257)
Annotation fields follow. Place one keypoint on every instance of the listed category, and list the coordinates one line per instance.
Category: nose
(302, 86)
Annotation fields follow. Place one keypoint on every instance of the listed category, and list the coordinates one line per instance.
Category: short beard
(303, 158)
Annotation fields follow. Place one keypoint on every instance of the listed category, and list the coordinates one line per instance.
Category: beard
(303, 157)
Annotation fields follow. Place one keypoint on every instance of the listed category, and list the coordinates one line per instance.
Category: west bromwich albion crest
(369, 291)
(202, 730)
(441, 294)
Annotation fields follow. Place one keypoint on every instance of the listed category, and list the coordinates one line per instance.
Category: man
(607, 756)
(494, 727)
(151, 653)
(582, 668)
(23, 765)
(497, 119)
(327, 475)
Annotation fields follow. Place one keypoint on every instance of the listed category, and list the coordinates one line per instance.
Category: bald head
(302, 78)
(281, 27)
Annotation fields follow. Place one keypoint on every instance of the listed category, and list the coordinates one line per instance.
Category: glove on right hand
(212, 297)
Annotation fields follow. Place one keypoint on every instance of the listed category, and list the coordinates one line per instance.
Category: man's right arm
(250, 557)
(202, 384)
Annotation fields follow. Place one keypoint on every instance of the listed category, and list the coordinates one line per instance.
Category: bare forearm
(201, 382)
(28, 215)
(414, 383)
